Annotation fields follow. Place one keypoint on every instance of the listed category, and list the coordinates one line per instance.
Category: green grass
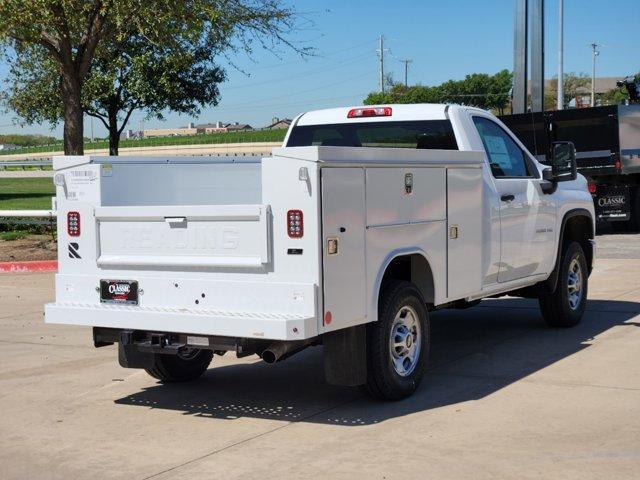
(13, 235)
(203, 139)
(26, 193)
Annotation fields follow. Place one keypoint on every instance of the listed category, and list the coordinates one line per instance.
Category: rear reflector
(73, 224)
(295, 223)
(369, 112)
(592, 187)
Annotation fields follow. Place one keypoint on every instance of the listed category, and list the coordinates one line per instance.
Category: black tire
(181, 367)
(556, 307)
(383, 381)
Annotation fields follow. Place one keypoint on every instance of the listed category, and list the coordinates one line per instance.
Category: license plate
(119, 291)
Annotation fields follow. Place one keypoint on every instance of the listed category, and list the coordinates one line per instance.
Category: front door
(526, 216)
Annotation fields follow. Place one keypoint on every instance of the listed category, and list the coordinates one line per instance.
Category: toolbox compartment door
(464, 235)
(343, 222)
(183, 237)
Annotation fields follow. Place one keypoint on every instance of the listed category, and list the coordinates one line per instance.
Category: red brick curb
(28, 267)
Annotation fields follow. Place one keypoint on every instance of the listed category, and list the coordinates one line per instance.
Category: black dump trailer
(607, 141)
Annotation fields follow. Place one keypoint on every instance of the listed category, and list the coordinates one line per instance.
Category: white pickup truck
(366, 219)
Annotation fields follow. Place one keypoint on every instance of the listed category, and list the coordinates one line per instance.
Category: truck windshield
(423, 134)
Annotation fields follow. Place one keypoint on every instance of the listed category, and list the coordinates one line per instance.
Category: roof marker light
(369, 112)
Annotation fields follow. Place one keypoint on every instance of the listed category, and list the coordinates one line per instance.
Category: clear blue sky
(445, 39)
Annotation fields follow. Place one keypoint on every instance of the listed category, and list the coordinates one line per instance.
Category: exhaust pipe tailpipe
(278, 351)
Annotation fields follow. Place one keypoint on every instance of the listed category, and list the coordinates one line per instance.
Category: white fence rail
(27, 163)
(28, 217)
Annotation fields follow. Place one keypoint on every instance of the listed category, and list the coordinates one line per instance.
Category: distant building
(170, 132)
(279, 123)
(219, 127)
(603, 85)
(131, 135)
(583, 97)
(192, 129)
(8, 146)
(238, 127)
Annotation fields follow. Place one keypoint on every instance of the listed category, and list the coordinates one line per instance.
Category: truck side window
(506, 158)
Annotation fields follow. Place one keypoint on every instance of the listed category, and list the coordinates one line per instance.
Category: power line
(346, 62)
(300, 92)
(326, 56)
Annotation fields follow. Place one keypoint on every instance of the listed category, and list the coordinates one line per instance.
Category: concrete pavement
(504, 397)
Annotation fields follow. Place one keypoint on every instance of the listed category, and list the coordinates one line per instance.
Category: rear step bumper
(274, 326)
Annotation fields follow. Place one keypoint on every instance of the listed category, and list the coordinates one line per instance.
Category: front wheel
(565, 306)
(398, 343)
(188, 364)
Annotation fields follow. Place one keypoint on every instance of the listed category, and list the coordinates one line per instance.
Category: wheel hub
(405, 341)
(574, 284)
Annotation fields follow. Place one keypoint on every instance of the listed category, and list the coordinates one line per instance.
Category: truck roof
(399, 112)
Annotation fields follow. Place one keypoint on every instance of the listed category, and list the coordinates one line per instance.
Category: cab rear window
(421, 134)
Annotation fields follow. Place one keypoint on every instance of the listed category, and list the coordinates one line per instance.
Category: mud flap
(345, 356)
(129, 356)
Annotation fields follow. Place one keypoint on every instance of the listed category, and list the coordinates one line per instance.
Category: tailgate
(191, 236)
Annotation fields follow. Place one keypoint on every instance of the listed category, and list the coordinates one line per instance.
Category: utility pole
(594, 47)
(381, 51)
(406, 71)
(560, 96)
(91, 120)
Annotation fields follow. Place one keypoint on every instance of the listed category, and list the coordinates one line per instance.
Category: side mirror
(563, 162)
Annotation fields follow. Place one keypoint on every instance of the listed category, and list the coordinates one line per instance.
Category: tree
(478, 89)
(615, 96)
(136, 76)
(71, 37)
(574, 84)
(151, 78)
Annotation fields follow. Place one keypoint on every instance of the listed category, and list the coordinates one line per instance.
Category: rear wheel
(188, 364)
(565, 305)
(398, 343)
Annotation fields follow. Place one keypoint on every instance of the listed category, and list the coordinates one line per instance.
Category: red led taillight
(73, 224)
(295, 223)
(369, 112)
(592, 187)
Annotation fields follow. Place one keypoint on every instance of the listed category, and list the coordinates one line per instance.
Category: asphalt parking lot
(504, 397)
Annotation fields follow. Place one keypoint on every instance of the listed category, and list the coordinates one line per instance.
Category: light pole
(594, 46)
(560, 96)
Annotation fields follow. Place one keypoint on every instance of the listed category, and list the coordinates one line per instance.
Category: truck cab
(364, 221)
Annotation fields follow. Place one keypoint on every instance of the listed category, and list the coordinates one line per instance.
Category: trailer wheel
(566, 304)
(398, 343)
(186, 365)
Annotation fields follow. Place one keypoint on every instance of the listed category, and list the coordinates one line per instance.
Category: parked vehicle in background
(607, 140)
(366, 219)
